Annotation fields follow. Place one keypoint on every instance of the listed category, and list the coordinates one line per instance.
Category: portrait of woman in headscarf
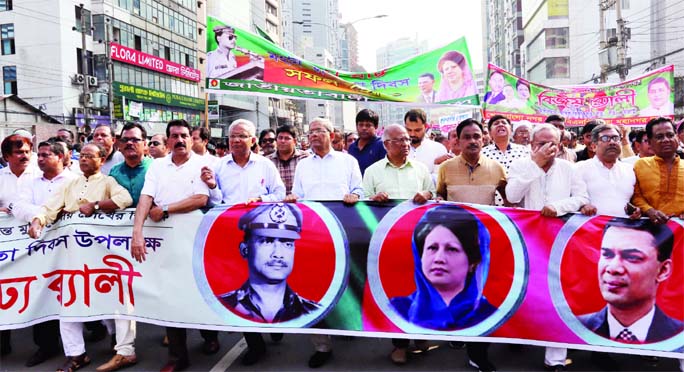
(451, 256)
(457, 80)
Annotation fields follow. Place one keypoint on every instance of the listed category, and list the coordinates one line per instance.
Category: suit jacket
(421, 98)
(662, 327)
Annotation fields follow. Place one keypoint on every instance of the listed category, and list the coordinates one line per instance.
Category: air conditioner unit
(92, 81)
(78, 79)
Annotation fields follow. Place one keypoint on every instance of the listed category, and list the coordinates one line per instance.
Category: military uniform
(293, 306)
(220, 64)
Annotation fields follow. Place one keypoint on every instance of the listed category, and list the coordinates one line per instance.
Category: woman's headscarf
(468, 88)
(427, 308)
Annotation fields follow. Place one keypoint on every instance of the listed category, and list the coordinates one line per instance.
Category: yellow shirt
(458, 181)
(658, 188)
(83, 190)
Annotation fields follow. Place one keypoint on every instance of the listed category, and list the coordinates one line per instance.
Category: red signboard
(137, 58)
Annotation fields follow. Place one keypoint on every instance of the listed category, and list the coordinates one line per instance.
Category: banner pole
(206, 110)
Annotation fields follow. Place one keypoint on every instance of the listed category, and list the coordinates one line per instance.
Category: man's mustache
(277, 263)
(179, 144)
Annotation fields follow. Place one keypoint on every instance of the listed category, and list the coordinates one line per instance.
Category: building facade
(503, 34)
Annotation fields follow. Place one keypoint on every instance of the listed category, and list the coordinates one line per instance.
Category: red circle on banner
(579, 275)
(314, 261)
(396, 266)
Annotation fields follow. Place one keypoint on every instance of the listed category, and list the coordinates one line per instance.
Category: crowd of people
(606, 169)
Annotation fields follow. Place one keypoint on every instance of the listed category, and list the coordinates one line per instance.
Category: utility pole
(622, 42)
(602, 36)
(110, 73)
(84, 64)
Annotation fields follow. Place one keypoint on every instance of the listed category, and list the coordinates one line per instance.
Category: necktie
(626, 336)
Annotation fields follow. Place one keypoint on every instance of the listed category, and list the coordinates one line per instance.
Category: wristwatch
(165, 210)
(97, 205)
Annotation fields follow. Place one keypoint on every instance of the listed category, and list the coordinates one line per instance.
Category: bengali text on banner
(375, 270)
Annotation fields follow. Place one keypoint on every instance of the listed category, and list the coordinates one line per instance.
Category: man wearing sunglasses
(221, 60)
(157, 146)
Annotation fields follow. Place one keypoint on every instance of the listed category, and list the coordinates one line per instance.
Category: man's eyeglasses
(239, 136)
(400, 141)
(155, 143)
(314, 132)
(232, 37)
(130, 139)
(267, 140)
(89, 156)
(606, 138)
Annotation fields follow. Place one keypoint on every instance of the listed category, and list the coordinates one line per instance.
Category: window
(167, 53)
(138, 43)
(557, 68)
(89, 63)
(7, 36)
(88, 23)
(5, 5)
(9, 77)
(271, 9)
(557, 38)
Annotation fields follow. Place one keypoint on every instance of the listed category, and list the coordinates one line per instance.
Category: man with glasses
(326, 175)
(88, 193)
(287, 156)
(558, 121)
(157, 146)
(610, 182)
(267, 139)
(659, 189)
(395, 176)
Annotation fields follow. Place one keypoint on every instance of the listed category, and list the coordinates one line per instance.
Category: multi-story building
(55, 56)
(349, 49)
(503, 34)
(389, 55)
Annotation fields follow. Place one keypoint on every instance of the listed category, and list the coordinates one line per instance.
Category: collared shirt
(459, 181)
(398, 182)
(114, 158)
(132, 179)
(286, 168)
(11, 184)
(38, 192)
(506, 158)
(236, 184)
(559, 187)
(220, 64)
(609, 189)
(245, 298)
(567, 154)
(168, 183)
(657, 187)
(330, 177)
(83, 190)
(427, 152)
(639, 328)
(372, 152)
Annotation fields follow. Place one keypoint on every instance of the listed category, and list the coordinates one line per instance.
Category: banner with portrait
(240, 62)
(631, 103)
(435, 271)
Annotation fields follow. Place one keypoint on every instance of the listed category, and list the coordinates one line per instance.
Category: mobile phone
(630, 209)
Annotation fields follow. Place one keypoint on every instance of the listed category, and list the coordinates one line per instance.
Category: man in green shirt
(396, 177)
(131, 172)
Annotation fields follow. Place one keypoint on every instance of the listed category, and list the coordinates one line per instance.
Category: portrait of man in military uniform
(271, 231)
(222, 62)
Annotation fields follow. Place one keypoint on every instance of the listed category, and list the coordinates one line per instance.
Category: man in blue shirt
(368, 148)
(131, 172)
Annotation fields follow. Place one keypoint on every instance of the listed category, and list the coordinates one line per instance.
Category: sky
(437, 21)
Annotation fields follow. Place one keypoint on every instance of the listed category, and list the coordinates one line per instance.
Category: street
(292, 353)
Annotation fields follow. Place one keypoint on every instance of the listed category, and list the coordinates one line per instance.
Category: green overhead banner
(142, 94)
(239, 61)
(632, 102)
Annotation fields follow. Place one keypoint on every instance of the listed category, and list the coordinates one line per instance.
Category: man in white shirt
(659, 98)
(242, 176)
(326, 175)
(642, 148)
(19, 173)
(173, 185)
(200, 141)
(422, 149)
(104, 136)
(610, 182)
(551, 185)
